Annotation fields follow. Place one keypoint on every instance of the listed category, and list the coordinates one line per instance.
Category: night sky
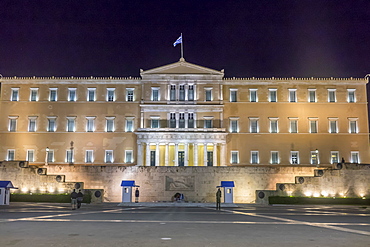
(246, 38)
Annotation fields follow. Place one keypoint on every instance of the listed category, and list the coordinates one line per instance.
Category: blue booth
(5, 187)
(228, 191)
(127, 186)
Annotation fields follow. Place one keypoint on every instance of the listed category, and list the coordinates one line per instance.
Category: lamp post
(317, 157)
(46, 156)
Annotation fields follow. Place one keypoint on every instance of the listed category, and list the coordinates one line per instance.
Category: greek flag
(178, 41)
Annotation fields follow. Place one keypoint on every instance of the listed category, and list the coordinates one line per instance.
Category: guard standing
(137, 193)
(218, 199)
(80, 198)
(74, 199)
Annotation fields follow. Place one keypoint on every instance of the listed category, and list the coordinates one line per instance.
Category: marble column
(205, 154)
(139, 155)
(195, 156)
(223, 155)
(147, 156)
(176, 154)
(166, 155)
(157, 154)
(186, 163)
(215, 154)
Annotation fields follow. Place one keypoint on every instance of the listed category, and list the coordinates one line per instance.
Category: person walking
(74, 199)
(137, 193)
(80, 198)
(218, 199)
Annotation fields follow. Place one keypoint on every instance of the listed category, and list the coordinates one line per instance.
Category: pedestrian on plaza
(80, 198)
(218, 199)
(137, 194)
(343, 161)
(74, 196)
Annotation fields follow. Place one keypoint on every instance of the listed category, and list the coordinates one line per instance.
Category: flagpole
(182, 49)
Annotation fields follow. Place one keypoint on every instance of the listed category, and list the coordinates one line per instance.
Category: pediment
(182, 67)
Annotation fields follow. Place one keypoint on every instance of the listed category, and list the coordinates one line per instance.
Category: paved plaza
(49, 224)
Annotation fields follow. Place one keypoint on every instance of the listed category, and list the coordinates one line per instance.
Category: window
(274, 157)
(272, 94)
(208, 94)
(71, 124)
(254, 157)
(172, 92)
(155, 94)
(34, 94)
(331, 95)
(294, 157)
(355, 157)
(181, 120)
(72, 94)
(172, 120)
(90, 124)
(182, 93)
(353, 125)
(333, 125)
(51, 124)
(128, 156)
(108, 156)
(89, 156)
(311, 95)
(253, 97)
(315, 157)
(69, 156)
(313, 125)
(293, 127)
(292, 95)
(50, 157)
(253, 125)
(32, 124)
(53, 94)
(234, 157)
(274, 125)
(129, 94)
(233, 95)
(351, 95)
(111, 94)
(234, 126)
(129, 124)
(13, 124)
(191, 120)
(334, 157)
(191, 93)
(30, 155)
(109, 124)
(11, 155)
(154, 122)
(91, 94)
(208, 122)
(15, 94)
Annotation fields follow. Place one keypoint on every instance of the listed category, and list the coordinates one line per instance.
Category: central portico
(184, 127)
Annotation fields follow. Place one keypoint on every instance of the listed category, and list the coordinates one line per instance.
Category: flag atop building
(178, 41)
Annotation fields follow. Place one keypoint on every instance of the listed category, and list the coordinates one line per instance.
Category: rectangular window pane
(15, 94)
(172, 120)
(274, 126)
(90, 126)
(315, 157)
(233, 96)
(253, 95)
(155, 94)
(352, 127)
(110, 94)
(128, 156)
(69, 157)
(334, 157)
(354, 157)
(129, 125)
(72, 94)
(351, 96)
(155, 123)
(11, 155)
(181, 120)
(53, 94)
(208, 123)
(89, 156)
(32, 125)
(173, 92)
(182, 93)
(254, 157)
(333, 126)
(12, 125)
(293, 126)
(91, 94)
(130, 95)
(234, 157)
(51, 124)
(292, 96)
(190, 120)
(70, 125)
(274, 157)
(208, 95)
(34, 94)
(234, 126)
(30, 155)
(311, 96)
(50, 156)
(313, 126)
(254, 126)
(331, 96)
(110, 125)
(109, 156)
(191, 93)
(294, 157)
(272, 95)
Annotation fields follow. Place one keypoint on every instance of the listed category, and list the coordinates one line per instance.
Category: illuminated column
(166, 156)
(205, 154)
(195, 156)
(223, 154)
(214, 154)
(147, 156)
(139, 154)
(186, 154)
(176, 154)
(157, 154)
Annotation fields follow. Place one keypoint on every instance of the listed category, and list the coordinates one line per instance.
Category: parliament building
(184, 114)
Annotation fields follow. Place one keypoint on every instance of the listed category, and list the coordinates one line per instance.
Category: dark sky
(259, 38)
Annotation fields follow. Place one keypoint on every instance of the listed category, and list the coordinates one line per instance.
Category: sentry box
(5, 187)
(127, 186)
(228, 191)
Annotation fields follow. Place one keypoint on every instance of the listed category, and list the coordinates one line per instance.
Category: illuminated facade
(183, 114)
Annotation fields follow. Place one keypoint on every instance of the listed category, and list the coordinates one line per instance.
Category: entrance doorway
(181, 156)
(152, 158)
(209, 158)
